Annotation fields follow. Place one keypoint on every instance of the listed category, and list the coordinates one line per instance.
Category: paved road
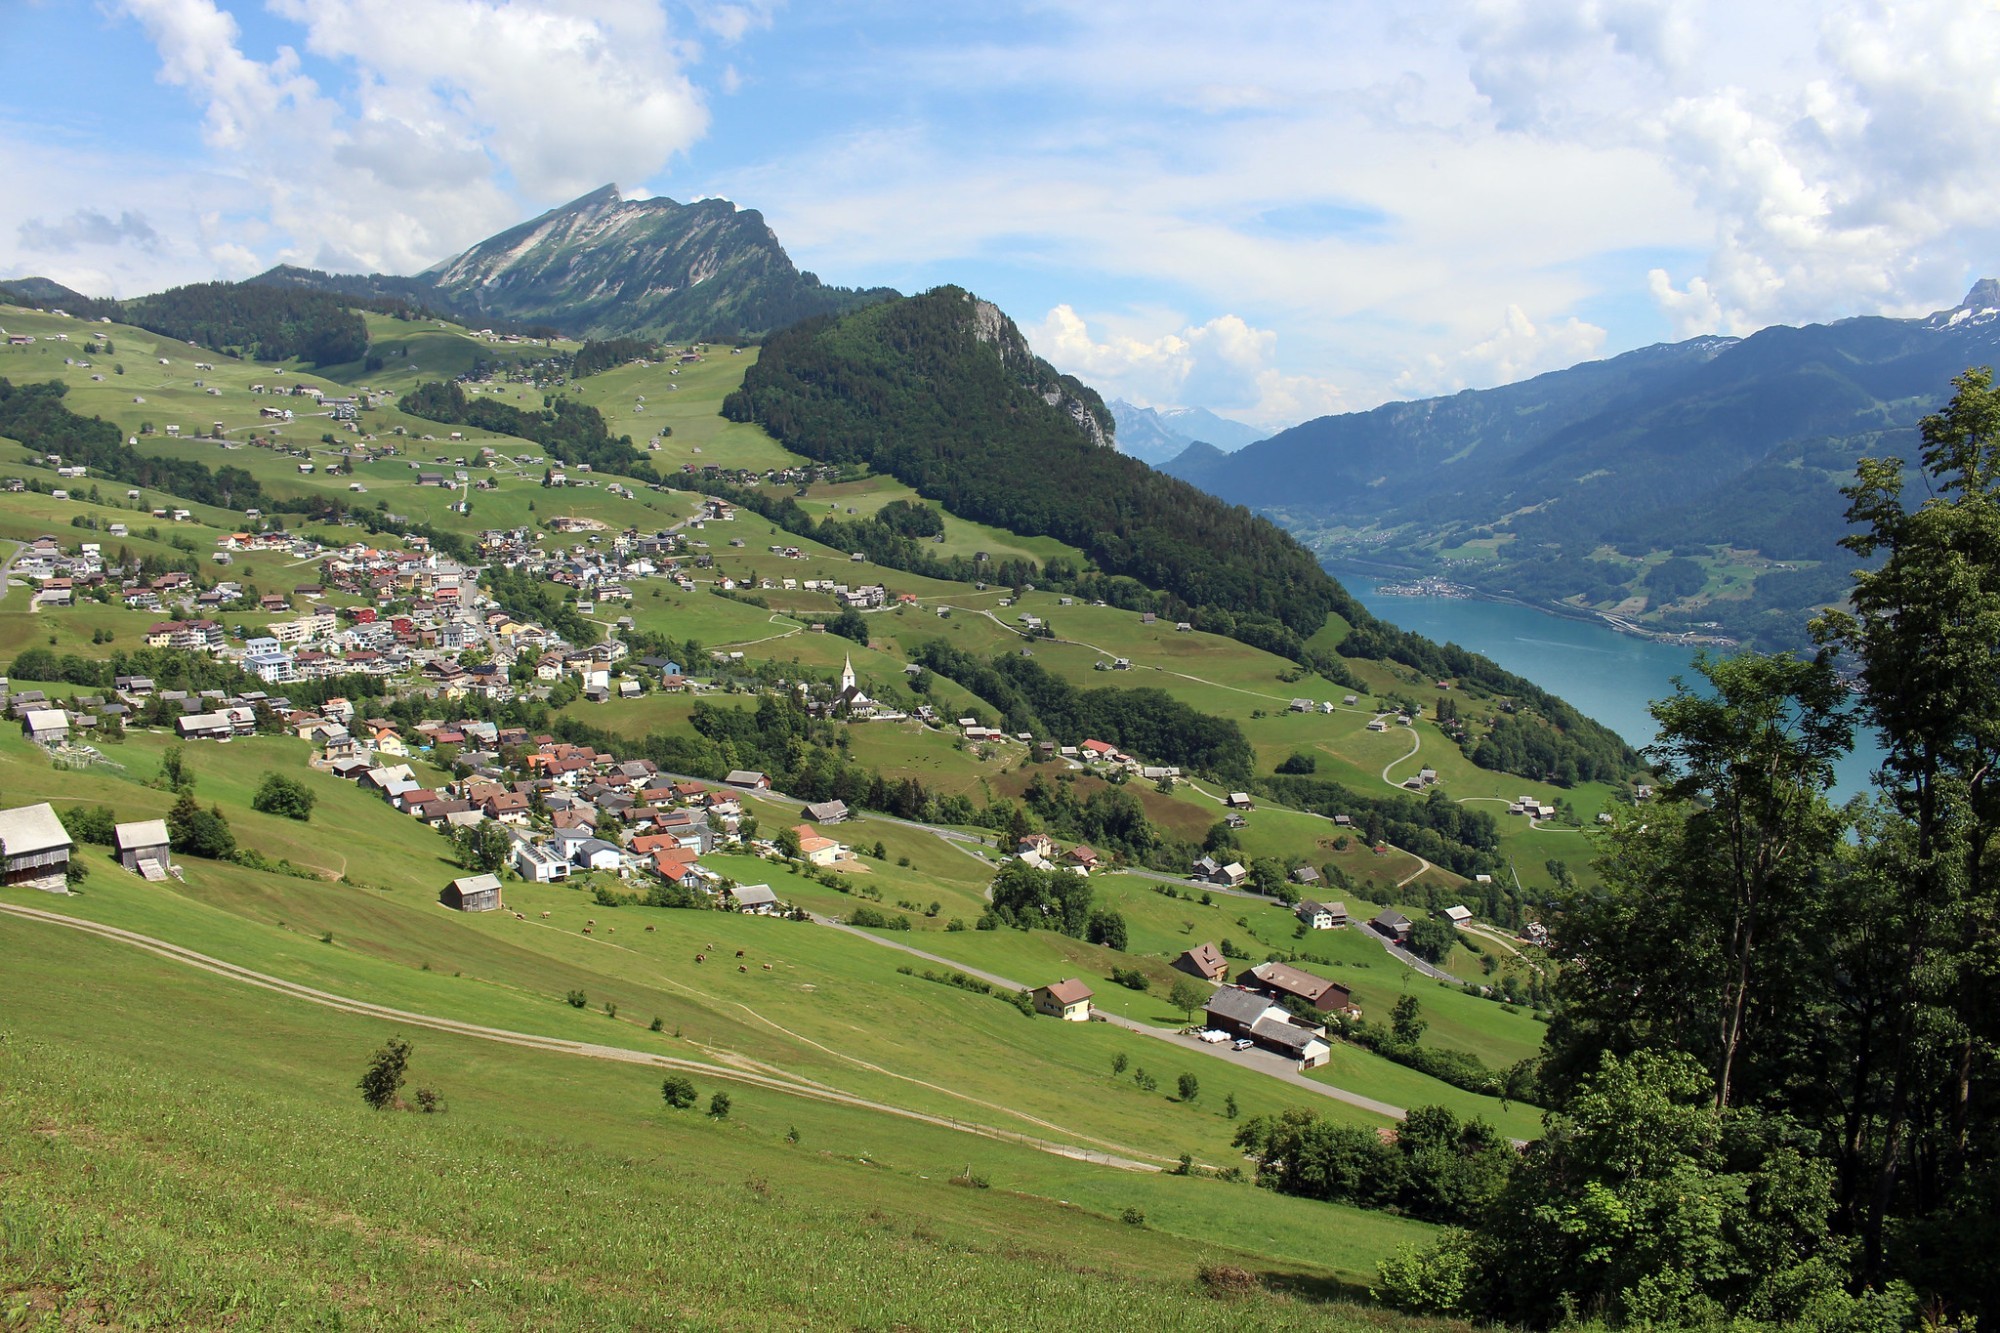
(1264, 1062)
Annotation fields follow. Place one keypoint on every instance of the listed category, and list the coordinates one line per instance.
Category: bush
(280, 795)
(1132, 978)
(577, 999)
(718, 1106)
(1134, 1217)
(677, 1090)
(1226, 1280)
(384, 1076)
(1190, 1087)
(94, 824)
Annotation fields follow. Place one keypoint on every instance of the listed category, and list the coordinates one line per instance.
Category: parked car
(1241, 1044)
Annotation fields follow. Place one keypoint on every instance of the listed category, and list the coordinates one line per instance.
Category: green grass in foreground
(179, 1151)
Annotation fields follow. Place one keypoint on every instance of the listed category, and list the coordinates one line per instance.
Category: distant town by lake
(1609, 676)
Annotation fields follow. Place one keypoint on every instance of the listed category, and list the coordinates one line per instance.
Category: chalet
(755, 900)
(1282, 980)
(1068, 1000)
(1231, 875)
(1082, 857)
(827, 812)
(472, 893)
(45, 726)
(1393, 924)
(1304, 875)
(34, 848)
(818, 850)
(1239, 800)
(748, 780)
(1459, 916)
(1204, 961)
(1319, 916)
(142, 847)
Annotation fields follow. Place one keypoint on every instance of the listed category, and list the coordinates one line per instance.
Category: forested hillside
(941, 392)
(261, 323)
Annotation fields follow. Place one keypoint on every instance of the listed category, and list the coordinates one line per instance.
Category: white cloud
(1519, 349)
(433, 122)
(1222, 364)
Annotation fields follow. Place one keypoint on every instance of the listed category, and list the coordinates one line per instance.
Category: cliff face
(604, 265)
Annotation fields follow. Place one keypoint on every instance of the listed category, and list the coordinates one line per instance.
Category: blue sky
(1271, 210)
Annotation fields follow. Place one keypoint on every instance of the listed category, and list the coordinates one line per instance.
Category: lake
(1609, 676)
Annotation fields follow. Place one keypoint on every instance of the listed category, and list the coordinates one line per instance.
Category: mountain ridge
(1574, 486)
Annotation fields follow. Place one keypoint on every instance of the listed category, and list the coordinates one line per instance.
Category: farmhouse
(1460, 916)
(142, 848)
(1392, 923)
(1204, 961)
(748, 780)
(1248, 1014)
(34, 848)
(1280, 980)
(45, 726)
(472, 893)
(755, 900)
(1321, 916)
(1068, 999)
(827, 812)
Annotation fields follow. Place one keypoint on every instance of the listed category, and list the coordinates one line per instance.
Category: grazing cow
(701, 958)
(741, 968)
(545, 916)
(586, 930)
(591, 922)
(519, 917)
(739, 953)
(649, 930)
(767, 967)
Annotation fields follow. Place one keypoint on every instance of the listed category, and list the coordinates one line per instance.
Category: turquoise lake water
(1609, 676)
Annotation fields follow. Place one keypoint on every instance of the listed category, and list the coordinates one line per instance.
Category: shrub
(1132, 978)
(1226, 1280)
(718, 1106)
(1134, 1217)
(577, 999)
(677, 1091)
(280, 795)
(1190, 1087)
(384, 1075)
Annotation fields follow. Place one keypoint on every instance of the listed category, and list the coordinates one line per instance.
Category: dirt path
(1416, 744)
(779, 1082)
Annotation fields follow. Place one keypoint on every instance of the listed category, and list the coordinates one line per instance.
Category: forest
(36, 415)
(1770, 1073)
(571, 431)
(258, 322)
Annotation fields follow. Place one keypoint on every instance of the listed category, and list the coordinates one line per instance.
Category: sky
(1272, 210)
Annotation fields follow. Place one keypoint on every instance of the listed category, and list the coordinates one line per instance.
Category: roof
(1281, 1033)
(468, 885)
(27, 829)
(1207, 956)
(41, 719)
(1068, 991)
(1238, 1006)
(743, 777)
(1294, 981)
(753, 895)
(142, 833)
(825, 810)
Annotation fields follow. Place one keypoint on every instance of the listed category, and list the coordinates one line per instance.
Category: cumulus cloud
(87, 227)
(432, 122)
(1519, 349)
(1222, 364)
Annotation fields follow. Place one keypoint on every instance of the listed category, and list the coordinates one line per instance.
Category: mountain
(605, 266)
(941, 392)
(45, 293)
(1157, 434)
(1686, 485)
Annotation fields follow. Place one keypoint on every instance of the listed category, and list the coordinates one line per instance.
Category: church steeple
(847, 681)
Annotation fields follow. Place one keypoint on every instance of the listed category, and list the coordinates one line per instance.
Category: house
(142, 847)
(1305, 875)
(748, 780)
(1316, 916)
(1248, 1014)
(1041, 844)
(1239, 800)
(472, 893)
(45, 726)
(1393, 924)
(1460, 916)
(755, 900)
(818, 850)
(1280, 980)
(827, 812)
(1068, 1000)
(1204, 961)
(1231, 875)
(538, 864)
(34, 848)
(1082, 857)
